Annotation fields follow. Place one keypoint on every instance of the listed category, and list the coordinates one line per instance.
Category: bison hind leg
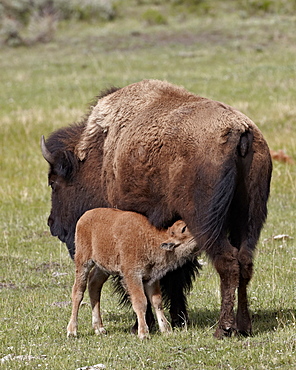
(243, 319)
(226, 263)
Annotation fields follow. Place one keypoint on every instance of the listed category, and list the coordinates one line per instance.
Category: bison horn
(45, 152)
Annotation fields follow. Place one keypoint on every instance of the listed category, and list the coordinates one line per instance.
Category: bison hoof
(245, 333)
(221, 333)
(244, 329)
(181, 321)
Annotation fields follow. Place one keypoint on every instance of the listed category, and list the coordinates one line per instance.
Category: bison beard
(156, 149)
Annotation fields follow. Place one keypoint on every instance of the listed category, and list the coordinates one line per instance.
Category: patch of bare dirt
(47, 266)
(7, 286)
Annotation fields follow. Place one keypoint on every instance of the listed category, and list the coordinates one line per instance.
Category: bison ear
(66, 165)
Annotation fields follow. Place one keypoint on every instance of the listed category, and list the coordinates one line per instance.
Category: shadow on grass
(262, 320)
(270, 320)
(203, 318)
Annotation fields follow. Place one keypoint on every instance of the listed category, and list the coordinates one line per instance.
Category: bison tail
(214, 221)
(230, 187)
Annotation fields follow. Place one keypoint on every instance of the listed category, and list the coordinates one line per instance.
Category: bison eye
(52, 184)
(183, 230)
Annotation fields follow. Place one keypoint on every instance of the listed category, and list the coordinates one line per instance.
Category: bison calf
(126, 244)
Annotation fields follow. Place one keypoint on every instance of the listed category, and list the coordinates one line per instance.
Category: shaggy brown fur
(126, 244)
(156, 149)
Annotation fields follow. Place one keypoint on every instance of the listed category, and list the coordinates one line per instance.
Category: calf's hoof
(71, 334)
(150, 323)
(71, 330)
(144, 336)
(166, 329)
(143, 332)
(100, 331)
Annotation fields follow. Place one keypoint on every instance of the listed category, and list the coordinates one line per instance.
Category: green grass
(248, 62)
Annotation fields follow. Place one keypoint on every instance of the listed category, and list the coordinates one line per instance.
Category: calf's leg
(150, 320)
(82, 271)
(97, 278)
(154, 294)
(135, 289)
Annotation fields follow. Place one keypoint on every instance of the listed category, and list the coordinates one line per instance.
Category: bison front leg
(227, 266)
(175, 284)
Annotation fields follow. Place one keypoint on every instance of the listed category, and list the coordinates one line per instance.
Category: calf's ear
(168, 246)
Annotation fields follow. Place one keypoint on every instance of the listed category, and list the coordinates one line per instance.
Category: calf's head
(178, 234)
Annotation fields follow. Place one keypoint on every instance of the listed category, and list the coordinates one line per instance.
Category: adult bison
(154, 148)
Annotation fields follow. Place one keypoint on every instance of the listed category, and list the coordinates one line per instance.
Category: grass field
(247, 61)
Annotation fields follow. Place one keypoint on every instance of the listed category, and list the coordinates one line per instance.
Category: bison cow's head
(74, 189)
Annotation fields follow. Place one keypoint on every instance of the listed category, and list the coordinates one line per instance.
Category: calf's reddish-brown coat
(126, 244)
